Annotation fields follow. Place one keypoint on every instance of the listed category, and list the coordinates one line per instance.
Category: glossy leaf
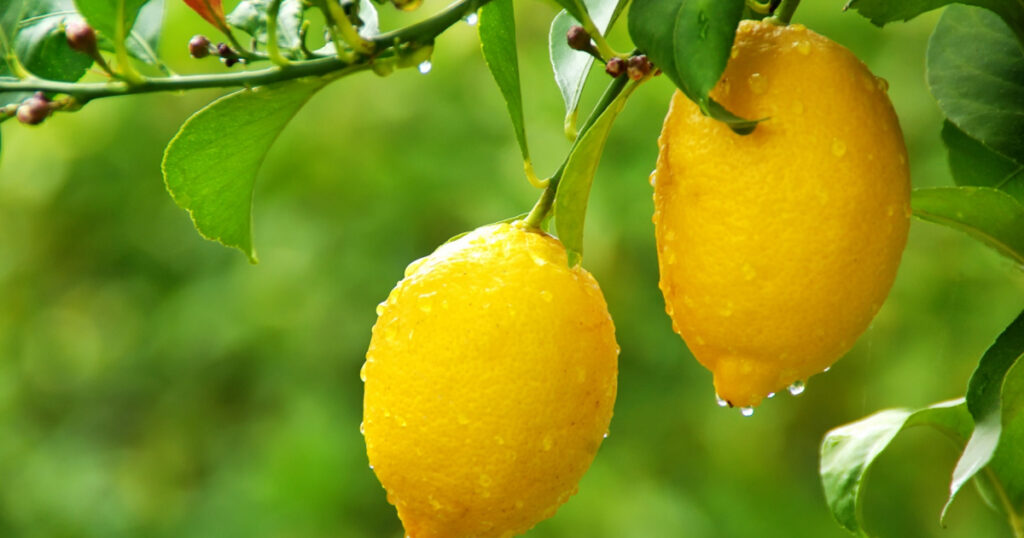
(577, 177)
(690, 41)
(210, 166)
(211, 10)
(989, 215)
(572, 66)
(849, 451)
(1007, 463)
(42, 46)
(976, 73)
(972, 163)
(984, 401)
(251, 17)
(497, 29)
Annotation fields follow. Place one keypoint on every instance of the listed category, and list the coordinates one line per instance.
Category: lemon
(776, 249)
(489, 384)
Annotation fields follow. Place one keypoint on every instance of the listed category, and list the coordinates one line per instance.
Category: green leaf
(972, 163)
(690, 41)
(984, 397)
(578, 175)
(41, 45)
(572, 66)
(847, 452)
(1007, 463)
(989, 215)
(103, 14)
(210, 166)
(251, 17)
(497, 29)
(575, 8)
(976, 73)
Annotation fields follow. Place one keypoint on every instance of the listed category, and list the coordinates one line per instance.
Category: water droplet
(734, 53)
(605, 436)
(546, 295)
(771, 395)
(721, 401)
(472, 19)
(362, 372)
(380, 308)
(362, 429)
(390, 332)
(747, 411)
(838, 147)
(803, 47)
(653, 178)
(797, 388)
(548, 443)
(827, 368)
(425, 67)
(757, 83)
(882, 84)
(371, 466)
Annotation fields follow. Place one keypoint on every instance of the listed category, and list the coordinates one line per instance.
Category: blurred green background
(155, 384)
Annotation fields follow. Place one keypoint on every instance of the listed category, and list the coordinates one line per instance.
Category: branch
(385, 47)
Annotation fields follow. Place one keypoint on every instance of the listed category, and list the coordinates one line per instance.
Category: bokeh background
(154, 384)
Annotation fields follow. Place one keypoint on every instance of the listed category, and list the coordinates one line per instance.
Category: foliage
(211, 168)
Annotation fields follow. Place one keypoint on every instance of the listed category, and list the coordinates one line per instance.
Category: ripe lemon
(489, 384)
(776, 249)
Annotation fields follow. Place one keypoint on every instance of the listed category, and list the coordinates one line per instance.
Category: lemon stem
(784, 13)
(547, 198)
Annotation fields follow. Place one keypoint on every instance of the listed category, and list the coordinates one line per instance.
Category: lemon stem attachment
(784, 13)
(547, 198)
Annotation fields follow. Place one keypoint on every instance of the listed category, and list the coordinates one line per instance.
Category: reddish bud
(615, 67)
(81, 37)
(638, 67)
(199, 46)
(34, 110)
(578, 39)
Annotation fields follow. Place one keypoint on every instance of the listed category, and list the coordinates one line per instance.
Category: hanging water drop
(797, 388)
(472, 19)
(747, 411)
(771, 395)
(424, 67)
(827, 368)
(362, 429)
(721, 402)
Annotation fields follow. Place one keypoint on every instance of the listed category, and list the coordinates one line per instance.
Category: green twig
(547, 198)
(1015, 519)
(391, 45)
(784, 13)
(11, 57)
(124, 61)
(273, 51)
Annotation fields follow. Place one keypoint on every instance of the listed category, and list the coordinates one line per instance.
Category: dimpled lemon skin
(489, 384)
(776, 249)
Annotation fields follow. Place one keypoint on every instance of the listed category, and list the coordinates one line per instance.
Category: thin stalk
(124, 61)
(547, 198)
(784, 13)
(11, 57)
(1015, 519)
(273, 51)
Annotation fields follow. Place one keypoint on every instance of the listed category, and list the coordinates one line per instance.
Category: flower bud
(34, 110)
(81, 37)
(638, 67)
(615, 67)
(199, 46)
(578, 38)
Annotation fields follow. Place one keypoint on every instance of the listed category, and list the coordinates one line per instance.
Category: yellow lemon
(489, 384)
(776, 249)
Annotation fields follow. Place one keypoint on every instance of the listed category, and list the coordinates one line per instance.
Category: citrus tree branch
(385, 46)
